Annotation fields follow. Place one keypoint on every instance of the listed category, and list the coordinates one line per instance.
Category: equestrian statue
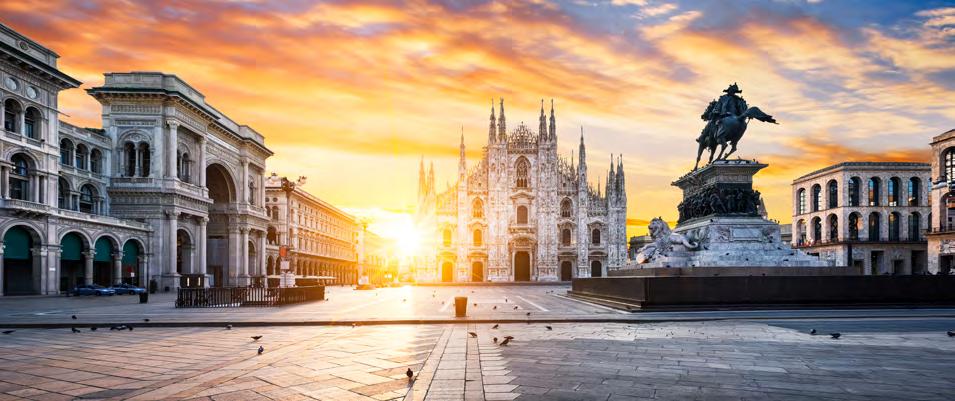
(726, 120)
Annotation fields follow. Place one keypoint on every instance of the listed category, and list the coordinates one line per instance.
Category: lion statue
(663, 241)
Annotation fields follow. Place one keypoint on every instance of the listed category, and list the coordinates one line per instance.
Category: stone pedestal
(723, 219)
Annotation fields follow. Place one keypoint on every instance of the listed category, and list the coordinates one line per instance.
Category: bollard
(143, 297)
(460, 306)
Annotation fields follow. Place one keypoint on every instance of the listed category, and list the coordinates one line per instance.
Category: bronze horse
(728, 130)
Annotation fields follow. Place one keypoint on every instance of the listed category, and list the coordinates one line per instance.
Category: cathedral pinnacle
(542, 130)
(502, 125)
(492, 126)
(553, 122)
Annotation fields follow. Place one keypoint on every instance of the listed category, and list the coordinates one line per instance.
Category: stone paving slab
(735, 360)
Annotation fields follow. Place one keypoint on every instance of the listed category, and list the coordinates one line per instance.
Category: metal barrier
(235, 297)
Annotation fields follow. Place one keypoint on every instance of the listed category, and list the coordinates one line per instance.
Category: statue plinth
(722, 224)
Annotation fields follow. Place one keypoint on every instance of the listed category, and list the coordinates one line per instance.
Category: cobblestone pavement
(908, 359)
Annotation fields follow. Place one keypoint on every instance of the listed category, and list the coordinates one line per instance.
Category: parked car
(130, 289)
(93, 289)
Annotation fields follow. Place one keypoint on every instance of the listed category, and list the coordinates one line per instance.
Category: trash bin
(460, 306)
(143, 297)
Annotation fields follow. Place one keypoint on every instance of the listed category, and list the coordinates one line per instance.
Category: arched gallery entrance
(222, 190)
(132, 251)
(184, 249)
(103, 262)
(72, 266)
(20, 268)
(522, 266)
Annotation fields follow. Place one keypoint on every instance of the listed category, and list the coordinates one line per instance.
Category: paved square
(735, 359)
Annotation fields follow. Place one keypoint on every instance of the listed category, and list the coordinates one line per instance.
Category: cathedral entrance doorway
(447, 272)
(522, 266)
(566, 269)
(595, 269)
(477, 271)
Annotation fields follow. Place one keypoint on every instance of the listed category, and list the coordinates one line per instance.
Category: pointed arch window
(566, 208)
(565, 237)
(478, 238)
(477, 209)
(522, 171)
(595, 237)
(522, 214)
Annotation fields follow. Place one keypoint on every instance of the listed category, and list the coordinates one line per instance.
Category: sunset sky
(352, 94)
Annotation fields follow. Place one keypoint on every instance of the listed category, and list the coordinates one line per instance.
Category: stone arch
(566, 208)
(184, 251)
(221, 184)
(22, 263)
(133, 270)
(73, 247)
(522, 168)
(104, 272)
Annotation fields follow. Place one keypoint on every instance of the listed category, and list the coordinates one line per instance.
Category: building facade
(169, 192)
(941, 236)
(877, 212)
(55, 206)
(522, 213)
(321, 238)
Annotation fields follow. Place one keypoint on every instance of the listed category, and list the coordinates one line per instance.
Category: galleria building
(522, 213)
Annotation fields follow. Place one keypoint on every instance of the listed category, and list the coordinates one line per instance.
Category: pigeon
(130, 328)
(528, 313)
(8, 331)
(472, 334)
(515, 308)
(228, 327)
(475, 304)
(813, 331)
(835, 336)
(409, 373)
(494, 308)
(495, 326)
(73, 317)
(74, 330)
(495, 340)
(256, 338)
(93, 328)
(146, 320)
(508, 337)
(549, 328)
(950, 333)
(506, 340)
(505, 300)
(261, 350)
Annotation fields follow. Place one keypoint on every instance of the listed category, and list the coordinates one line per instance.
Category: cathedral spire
(431, 178)
(461, 163)
(421, 181)
(611, 176)
(492, 126)
(553, 122)
(542, 130)
(621, 184)
(502, 125)
(583, 152)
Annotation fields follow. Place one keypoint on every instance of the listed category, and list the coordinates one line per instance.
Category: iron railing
(235, 297)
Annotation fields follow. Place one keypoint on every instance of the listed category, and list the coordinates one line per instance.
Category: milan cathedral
(522, 213)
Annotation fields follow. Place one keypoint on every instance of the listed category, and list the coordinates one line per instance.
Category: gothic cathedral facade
(522, 213)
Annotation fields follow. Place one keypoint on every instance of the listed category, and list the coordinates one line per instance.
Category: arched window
(801, 201)
(875, 226)
(66, 152)
(595, 236)
(949, 163)
(522, 170)
(816, 229)
(522, 214)
(144, 160)
(855, 186)
(816, 198)
(183, 166)
(20, 178)
(565, 237)
(833, 188)
(855, 225)
(833, 227)
(477, 208)
(894, 226)
(875, 188)
(566, 208)
(895, 187)
(11, 115)
(81, 155)
(86, 199)
(63, 194)
(915, 229)
(129, 149)
(447, 237)
(914, 189)
(96, 161)
(478, 238)
(31, 123)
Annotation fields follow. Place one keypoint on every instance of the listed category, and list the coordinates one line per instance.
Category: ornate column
(235, 248)
(5, 182)
(1, 269)
(201, 249)
(261, 249)
(88, 266)
(142, 271)
(118, 267)
(201, 173)
(244, 256)
(172, 146)
(53, 275)
(245, 182)
(170, 276)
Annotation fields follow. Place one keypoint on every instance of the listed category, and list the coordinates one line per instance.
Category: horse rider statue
(726, 120)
